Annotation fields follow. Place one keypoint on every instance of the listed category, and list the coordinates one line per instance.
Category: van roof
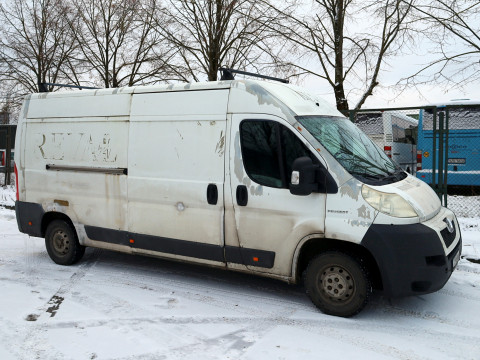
(246, 96)
(139, 89)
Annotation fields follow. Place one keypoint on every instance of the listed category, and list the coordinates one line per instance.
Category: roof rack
(43, 86)
(227, 74)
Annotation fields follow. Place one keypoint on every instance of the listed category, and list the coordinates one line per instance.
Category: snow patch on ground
(471, 240)
(464, 206)
(7, 196)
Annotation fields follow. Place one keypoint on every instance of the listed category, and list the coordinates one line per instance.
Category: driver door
(269, 220)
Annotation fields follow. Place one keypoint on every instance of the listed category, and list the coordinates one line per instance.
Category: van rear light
(388, 151)
(2, 158)
(419, 160)
(16, 181)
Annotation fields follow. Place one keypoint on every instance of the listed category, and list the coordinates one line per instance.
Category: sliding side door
(176, 174)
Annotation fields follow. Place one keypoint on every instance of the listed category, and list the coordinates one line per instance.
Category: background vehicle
(451, 144)
(394, 132)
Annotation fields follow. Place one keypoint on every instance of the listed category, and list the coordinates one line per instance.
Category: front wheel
(337, 284)
(62, 243)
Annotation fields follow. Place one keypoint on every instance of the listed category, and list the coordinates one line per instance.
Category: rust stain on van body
(220, 147)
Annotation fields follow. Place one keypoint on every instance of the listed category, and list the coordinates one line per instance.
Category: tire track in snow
(34, 342)
(183, 289)
(343, 330)
(9, 333)
(247, 298)
(207, 290)
(261, 322)
(198, 289)
(56, 300)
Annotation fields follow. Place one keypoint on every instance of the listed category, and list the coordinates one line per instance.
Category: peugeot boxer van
(245, 175)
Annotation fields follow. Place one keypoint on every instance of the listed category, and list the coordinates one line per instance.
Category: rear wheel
(337, 284)
(62, 243)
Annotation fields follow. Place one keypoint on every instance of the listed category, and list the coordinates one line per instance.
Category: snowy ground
(116, 306)
(2, 177)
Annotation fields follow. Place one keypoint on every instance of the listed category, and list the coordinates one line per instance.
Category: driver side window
(268, 151)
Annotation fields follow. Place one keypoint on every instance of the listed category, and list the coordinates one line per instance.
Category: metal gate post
(441, 117)
(434, 150)
(2, 169)
(8, 155)
(445, 182)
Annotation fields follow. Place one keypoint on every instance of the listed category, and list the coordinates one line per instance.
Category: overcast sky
(402, 66)
(386, 96)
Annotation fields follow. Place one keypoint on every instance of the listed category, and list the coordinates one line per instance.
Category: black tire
(62, 243)
(337, 284)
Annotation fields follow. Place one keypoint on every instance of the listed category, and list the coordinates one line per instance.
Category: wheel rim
(337, 283)
(61, 242)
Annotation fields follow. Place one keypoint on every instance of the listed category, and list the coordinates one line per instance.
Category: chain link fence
(438, 144)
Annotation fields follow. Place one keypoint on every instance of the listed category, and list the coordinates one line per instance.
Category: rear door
(269, 221)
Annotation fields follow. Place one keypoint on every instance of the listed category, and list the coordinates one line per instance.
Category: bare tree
(35, 44)
(327, 40)
(211, 33)
(453, 27)
(4, 112)
(118, 41)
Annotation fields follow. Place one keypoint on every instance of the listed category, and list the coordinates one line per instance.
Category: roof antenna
(42, 87)
(226, 74)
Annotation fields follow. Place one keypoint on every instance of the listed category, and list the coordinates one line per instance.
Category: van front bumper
(415, 259)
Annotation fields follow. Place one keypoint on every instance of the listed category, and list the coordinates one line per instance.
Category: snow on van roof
(136, 89)
(183, 86)
(299, 100)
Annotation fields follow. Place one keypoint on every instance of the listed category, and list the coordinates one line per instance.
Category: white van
(246, 175)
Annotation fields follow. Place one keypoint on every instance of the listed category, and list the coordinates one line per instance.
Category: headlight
(387, 203)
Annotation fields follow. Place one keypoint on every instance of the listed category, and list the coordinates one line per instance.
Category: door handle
(212, 194)
(242, 195)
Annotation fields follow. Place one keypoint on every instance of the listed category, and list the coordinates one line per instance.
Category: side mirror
(303, 180)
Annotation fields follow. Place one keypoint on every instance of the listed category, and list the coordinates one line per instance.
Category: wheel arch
(50, 216)
(313, 245)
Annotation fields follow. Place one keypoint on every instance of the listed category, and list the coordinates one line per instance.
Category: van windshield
(353, 149)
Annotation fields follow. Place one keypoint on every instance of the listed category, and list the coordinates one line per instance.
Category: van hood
(418, 193)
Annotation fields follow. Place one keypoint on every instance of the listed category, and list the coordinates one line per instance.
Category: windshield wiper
(367, 176)
(394, 175)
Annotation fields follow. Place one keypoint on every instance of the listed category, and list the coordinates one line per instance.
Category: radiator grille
(449, 237)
